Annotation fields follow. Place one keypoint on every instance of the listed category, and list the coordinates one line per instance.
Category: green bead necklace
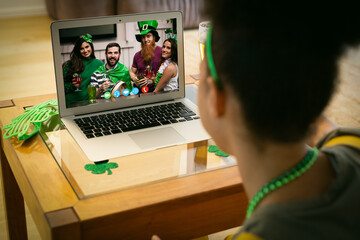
(283, 179)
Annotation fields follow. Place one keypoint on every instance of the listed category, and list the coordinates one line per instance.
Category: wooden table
(68, 202)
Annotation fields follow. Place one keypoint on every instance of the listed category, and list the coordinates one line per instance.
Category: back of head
(280, 59)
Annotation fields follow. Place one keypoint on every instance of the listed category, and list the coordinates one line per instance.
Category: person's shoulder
(98, 62)
(137, 56)
(121, 67)
(101, 68)
(92, 62)
(342, 143)
(341, 137)
(65, 64)
(243, 236)
(171, 67)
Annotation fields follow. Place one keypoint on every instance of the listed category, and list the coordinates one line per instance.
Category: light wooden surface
(134, 170)
(27, 157)
(154, 208)
(26, 57)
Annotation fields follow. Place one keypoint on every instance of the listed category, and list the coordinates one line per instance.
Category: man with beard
(108, 75)
(147, 61)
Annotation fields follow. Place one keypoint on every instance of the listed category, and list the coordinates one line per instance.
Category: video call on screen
(81, 87)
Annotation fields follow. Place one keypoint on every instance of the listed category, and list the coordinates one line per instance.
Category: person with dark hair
(147, 61)
(269, 71)
(81, 65)
(167, 78)
(111, 74)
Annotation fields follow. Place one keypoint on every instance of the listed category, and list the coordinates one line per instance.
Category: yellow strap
(344, 140)
(244, 236)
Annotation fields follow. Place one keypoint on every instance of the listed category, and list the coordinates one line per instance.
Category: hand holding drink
(148, 72)
(76, 82)
(141, 81)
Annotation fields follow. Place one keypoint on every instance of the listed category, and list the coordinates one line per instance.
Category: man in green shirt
(107, 76)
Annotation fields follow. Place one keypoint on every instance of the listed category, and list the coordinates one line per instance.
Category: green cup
(92, 93)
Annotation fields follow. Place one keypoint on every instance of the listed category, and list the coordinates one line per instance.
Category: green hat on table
(146, 27)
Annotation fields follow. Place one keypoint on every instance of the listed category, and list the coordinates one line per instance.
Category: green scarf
(119, 73)
(70, 95)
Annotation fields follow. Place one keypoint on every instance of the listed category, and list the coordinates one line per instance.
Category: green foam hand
(101, 168)
(34, 115)
(217, 151)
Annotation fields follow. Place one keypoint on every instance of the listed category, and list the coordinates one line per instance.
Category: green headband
(210, 59)
(87, 38)
(171, 34)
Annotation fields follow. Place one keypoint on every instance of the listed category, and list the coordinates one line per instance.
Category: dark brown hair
(174, 53)
(76, 64)
(281, 59)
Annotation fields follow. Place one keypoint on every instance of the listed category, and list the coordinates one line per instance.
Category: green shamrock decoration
(87, 37)
(36, 115)
(217, 151)
(101, 168)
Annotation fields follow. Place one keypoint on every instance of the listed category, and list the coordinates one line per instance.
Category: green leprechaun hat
(146, 27)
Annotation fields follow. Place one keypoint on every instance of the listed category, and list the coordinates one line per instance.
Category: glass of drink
(92, 93)
(203, 29)
(78, 80)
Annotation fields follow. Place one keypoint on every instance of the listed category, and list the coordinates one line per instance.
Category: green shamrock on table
(101, 168)
(217, 151)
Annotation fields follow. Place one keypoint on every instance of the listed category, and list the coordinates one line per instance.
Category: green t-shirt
(70, 95)
(119, 73)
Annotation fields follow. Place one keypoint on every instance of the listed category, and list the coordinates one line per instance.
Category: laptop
(122, 123)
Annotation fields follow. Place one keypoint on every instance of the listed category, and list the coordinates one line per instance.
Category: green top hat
(146, 27)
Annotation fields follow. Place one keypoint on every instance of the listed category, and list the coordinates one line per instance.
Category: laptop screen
(120, 61)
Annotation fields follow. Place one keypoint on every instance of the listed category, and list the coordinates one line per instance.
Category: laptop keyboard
(113, 123)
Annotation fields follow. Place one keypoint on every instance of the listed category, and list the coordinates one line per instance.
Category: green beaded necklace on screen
(283, 179)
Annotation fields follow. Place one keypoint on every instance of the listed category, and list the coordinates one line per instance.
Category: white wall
(126, 38)
(20, 8)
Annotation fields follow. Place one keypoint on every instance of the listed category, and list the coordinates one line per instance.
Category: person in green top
(112, 75)
(81, 65)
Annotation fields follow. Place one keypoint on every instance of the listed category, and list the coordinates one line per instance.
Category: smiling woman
(77, 71)
(167, 77)
(85, 50)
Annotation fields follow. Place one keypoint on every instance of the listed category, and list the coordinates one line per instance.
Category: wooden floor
(26, 69)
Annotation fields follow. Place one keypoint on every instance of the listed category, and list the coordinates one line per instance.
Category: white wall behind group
(126, 39)
(21, 8)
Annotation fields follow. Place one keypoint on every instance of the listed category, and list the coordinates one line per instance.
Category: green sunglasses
(210, 59)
